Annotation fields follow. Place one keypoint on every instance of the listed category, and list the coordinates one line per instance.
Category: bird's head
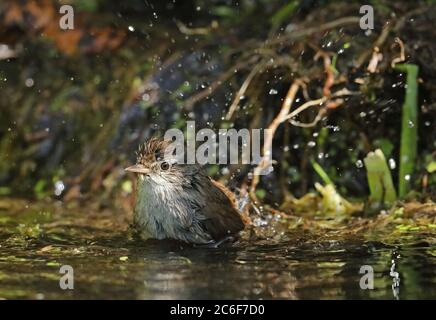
(154, 164)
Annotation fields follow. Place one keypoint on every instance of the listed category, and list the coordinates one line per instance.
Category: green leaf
(284, 12)
(324, 176)
(380, 183)
(431, 167)
(260, 193)
(224, 11)
(409, 129)
(385, 145)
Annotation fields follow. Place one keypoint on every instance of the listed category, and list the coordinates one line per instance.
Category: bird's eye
(164, 165)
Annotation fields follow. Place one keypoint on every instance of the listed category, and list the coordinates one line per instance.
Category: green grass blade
(284, 12)
(409, 129)
(324, 176)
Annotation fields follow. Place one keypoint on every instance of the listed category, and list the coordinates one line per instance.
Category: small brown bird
(179, 201)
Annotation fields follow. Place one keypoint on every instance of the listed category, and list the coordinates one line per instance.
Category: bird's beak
(138, 168)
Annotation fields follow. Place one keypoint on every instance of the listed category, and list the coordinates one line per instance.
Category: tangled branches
(306, 63)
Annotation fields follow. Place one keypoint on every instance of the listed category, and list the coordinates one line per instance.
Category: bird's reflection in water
(174, 270)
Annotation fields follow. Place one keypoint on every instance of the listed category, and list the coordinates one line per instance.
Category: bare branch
(242, 90)
(189, 103)
(196, 31)
(402, 56)
(281, 117)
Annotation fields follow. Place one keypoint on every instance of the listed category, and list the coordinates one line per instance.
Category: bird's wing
(218, 215)
(213, 205)
(222, 217)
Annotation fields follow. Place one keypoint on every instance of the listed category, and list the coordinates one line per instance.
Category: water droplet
(407, 177)
(273, 91)
(311, 144)
(410, 123)
(131, 28)
(392, 164)
(59, 187)
(259, 222)
(359, 163)
(225, 170)
(29, 82)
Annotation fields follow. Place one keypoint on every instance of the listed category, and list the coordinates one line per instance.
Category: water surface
(109, 264)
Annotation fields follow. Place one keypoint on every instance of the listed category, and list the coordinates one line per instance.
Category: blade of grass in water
(409, 129)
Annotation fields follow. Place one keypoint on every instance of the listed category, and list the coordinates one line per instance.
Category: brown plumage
(180, 201)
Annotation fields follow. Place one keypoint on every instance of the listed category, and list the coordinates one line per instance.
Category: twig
(375, 59)
(304, 106)
(242, 90)
(385, 33)
(260, 67)
(196, 31)
(378, 43)
(318, 118)
(308, 31)
(189, 103)
(320, 101)
(330, 80)
(269, 134)
(402, 56)
(285, 115)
